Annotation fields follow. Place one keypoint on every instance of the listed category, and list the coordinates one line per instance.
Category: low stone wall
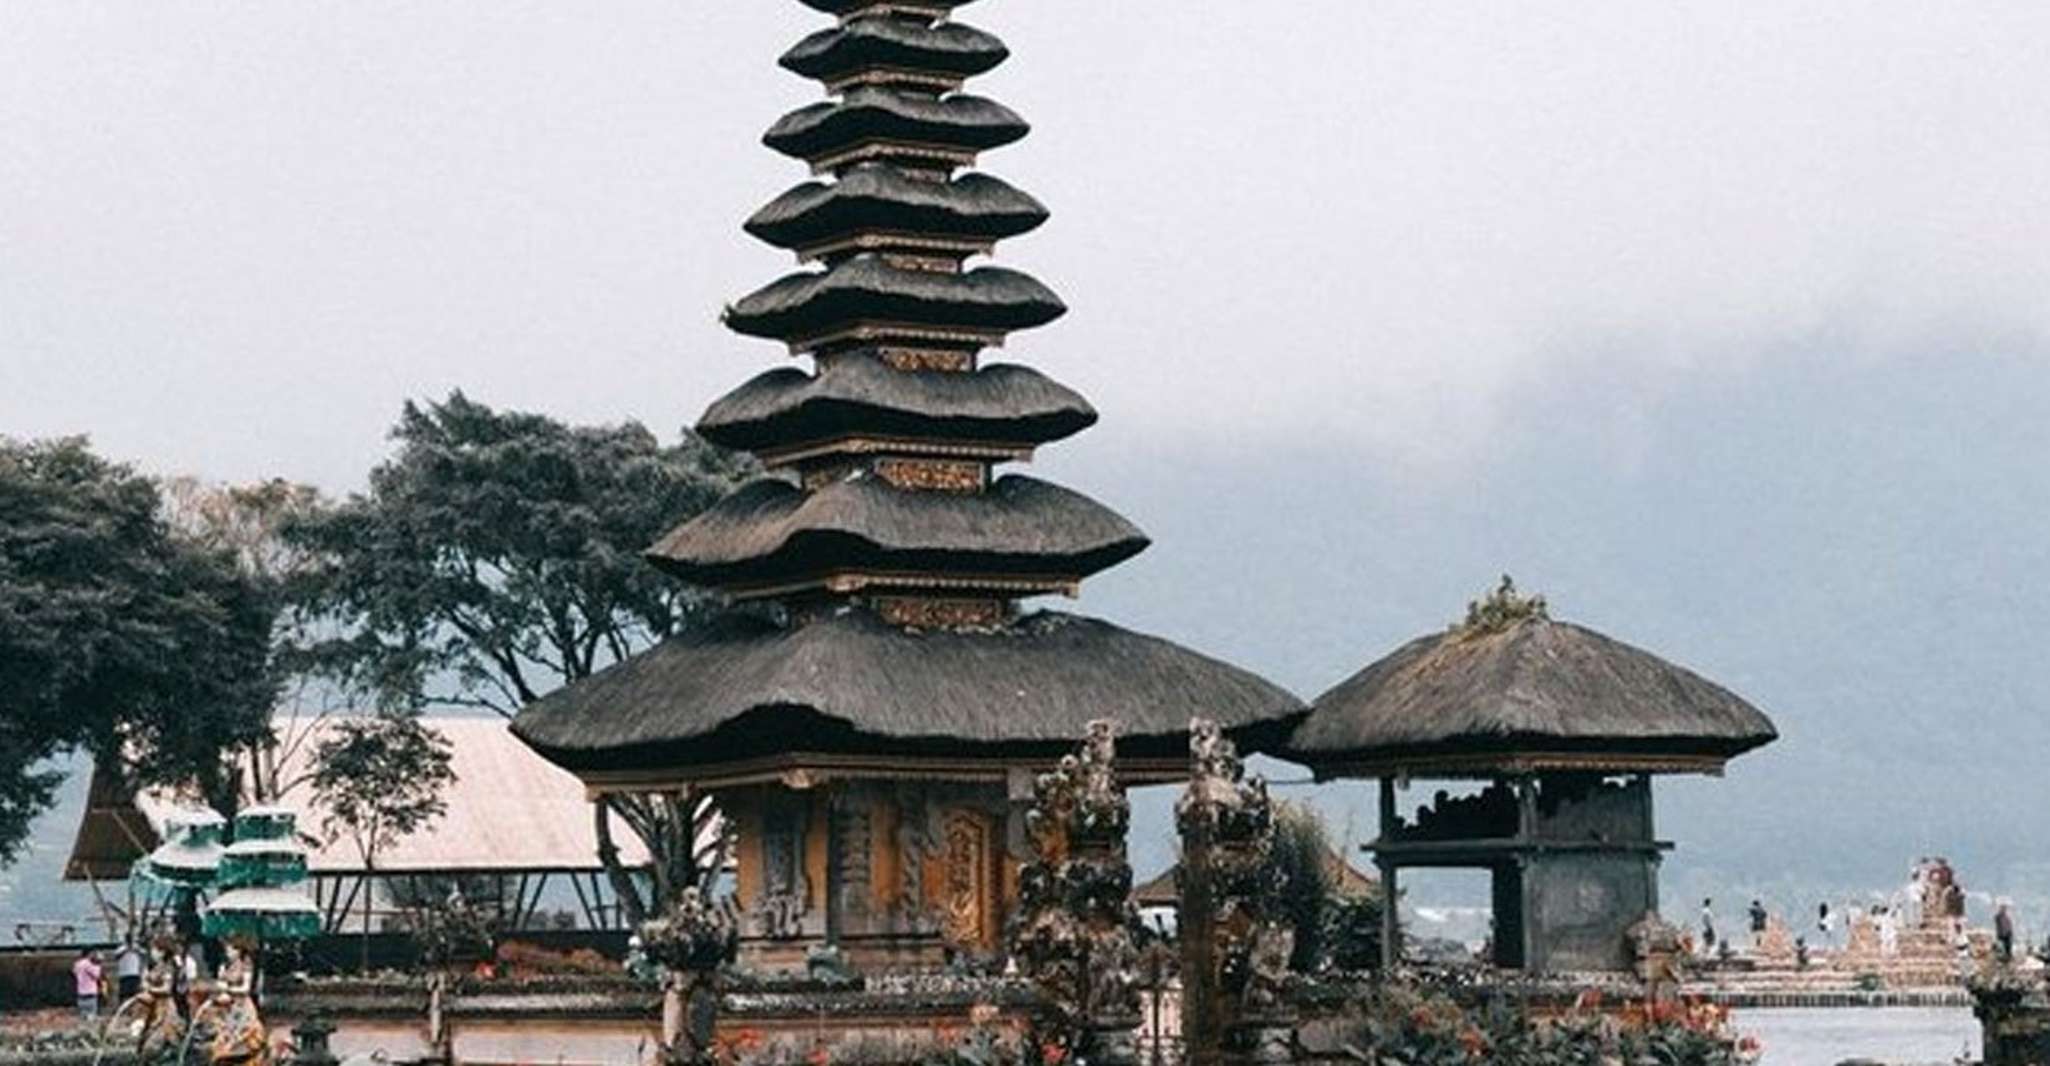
(609, 1021)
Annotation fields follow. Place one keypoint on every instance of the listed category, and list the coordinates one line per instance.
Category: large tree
(118, 636)
(246, 523)
(380, 779)
(497, 555)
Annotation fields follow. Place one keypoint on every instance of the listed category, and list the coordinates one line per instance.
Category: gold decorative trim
(821, 769)
(868, 332)
(985, 451)
(888, 150)
(872, 240)
(894, 77)
(919, 612)
(948, 360)
(932, 475)
(852, 581)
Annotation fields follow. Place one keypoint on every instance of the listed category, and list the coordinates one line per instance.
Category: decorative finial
(1502, 610)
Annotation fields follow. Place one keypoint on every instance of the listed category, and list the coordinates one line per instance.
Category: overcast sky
(1723, 323)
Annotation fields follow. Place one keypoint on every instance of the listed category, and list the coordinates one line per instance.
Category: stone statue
(691, 942)
(239, 1036)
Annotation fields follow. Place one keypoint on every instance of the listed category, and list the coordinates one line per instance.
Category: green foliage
(1302, 849)
(498, 554)
(1404, 1025)
(380, 779)
(1353, 933)
(117, 635)
(1502, 610)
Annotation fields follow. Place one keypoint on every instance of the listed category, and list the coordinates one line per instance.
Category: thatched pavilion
(871, 712)
(1568, 727)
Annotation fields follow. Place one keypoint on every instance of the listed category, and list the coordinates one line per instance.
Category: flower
(819, 1056)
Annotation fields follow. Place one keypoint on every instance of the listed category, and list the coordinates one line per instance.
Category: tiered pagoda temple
(1567, 728)
(871, 710)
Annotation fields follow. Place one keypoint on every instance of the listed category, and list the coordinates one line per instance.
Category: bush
(1411, 1026)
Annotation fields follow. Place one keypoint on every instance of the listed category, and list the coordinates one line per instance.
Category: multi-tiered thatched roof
(887, 556)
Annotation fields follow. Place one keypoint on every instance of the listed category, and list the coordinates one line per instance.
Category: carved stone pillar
(1075, 918)
(1236, 948)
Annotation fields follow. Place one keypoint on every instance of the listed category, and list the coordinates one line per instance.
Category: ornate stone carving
(785, 897)
(1236, 946)
(1074, 928)
(691, 941)
(966, 898)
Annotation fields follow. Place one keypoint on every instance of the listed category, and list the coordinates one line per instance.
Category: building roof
(1349, 881)
(878, 198)
(950, 48)
(868, 289)
(509, 811)
(1535, 694)
(772, 532)
(855, 394)
(849, 7)
(960, 122)
(748, 688)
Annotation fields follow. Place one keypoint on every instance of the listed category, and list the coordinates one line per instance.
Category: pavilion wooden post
(1391, 896)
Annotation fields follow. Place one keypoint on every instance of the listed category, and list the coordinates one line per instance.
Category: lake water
(1802, 1037)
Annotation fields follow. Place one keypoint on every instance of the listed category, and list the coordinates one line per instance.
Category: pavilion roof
(848, 684)
(1534, 694)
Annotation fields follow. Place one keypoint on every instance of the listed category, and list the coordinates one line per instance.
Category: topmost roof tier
(852, 8)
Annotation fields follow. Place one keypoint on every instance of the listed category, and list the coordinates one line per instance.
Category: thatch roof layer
(867, 113)
(848, 683)
(845, 7)
(904, 44)
(877, 197)
(858, 394)
(771, 530)
(866, 288)
(1535, 686)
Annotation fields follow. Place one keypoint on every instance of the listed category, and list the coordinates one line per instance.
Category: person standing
(2003, 931)
(1759, 919)
(85, 983)
(1889, 931)
(128, 967)
(1825, 923)
(1708, 927)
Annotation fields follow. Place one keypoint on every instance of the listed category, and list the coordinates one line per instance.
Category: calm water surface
(1826, 1037)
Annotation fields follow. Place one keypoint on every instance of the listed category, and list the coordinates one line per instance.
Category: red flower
(818, 1057)
(1052, 1053)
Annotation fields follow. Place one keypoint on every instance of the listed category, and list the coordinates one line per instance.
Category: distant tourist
(1825, 924)
(128, 966)
(1889, 930)
(1800, 953)
(1954, 906)
(2003, 931)
(85, 981)
(1758, 922)
(1708, 926)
